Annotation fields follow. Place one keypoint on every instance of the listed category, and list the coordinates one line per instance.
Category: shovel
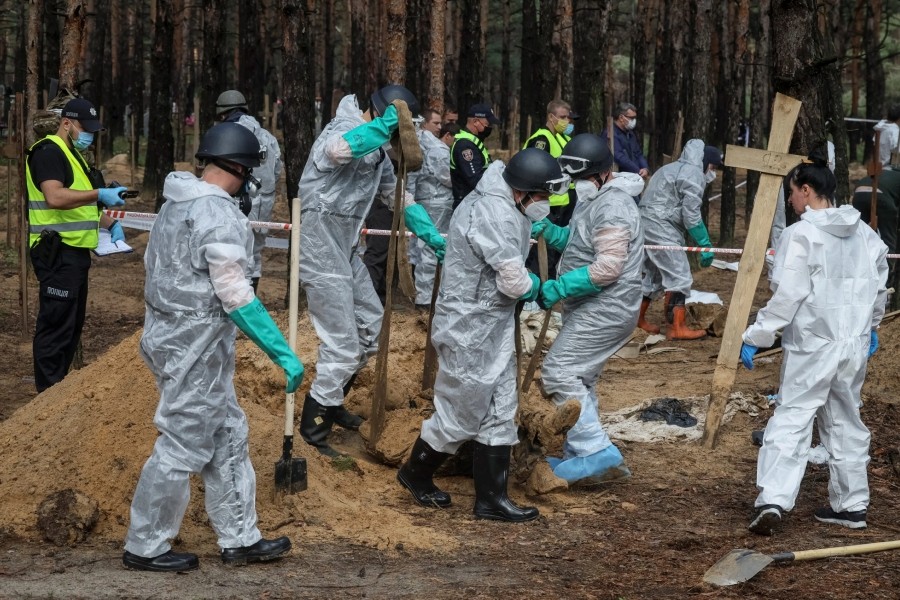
(430, 367)
(290, 472)
(741, 564)
(543, 267)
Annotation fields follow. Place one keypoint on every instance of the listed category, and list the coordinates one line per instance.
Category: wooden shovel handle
(544, 269)
(838, 551)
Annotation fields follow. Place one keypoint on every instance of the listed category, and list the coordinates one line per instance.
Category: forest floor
(357, 534)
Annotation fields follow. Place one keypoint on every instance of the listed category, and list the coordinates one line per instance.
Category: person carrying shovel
(829, 295)
(197, 289)
(599, 285)
(475, 393)
(347, 169)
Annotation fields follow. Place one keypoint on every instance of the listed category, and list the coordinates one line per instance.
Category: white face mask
(537, 210)
(710, 177)
(585, 189)
(632, 123)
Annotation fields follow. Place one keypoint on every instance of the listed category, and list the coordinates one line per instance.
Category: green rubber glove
(371, 136)
(418, 221)
(701, 236)
(556, 237)
(573, 284)
(532, 294)
(254, 320)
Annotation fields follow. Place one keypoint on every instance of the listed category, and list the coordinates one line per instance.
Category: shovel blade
(737, 566)
(290, 475)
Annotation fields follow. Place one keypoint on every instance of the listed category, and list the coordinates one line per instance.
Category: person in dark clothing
(468, 156)
(887, 209)
(628, 153)
(375, 257)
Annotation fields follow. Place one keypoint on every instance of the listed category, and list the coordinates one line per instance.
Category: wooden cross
(774, 164)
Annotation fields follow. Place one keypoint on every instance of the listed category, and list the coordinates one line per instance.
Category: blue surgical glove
(254, 320)
(110, 196)
(573, 284)
(556, 237)
(873, 343)
(116, 233)
(701, 237)
(747, 353)
(418, 221)
(532, 294)
(371, 136)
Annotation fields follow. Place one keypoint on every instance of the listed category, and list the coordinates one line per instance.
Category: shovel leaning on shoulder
(741, 564)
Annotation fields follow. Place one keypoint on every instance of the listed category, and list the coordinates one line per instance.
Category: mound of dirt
(93, 432)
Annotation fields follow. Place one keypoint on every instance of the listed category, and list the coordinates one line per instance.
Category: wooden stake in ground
(774, 165)
(874, 170)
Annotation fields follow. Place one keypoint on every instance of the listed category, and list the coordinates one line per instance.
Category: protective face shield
(569, 129)
(632, 123)
(573, 165)
(537, 210)
(710, 177)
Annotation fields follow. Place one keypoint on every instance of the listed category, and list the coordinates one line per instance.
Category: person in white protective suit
(197, 289)
(431, 188)
(829, 295)
(231, 107)
(475, 394)
(670, 207)
(347, 168)
(600, 285)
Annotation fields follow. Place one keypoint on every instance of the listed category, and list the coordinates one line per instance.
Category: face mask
(710, 177)
(585, 189)
(632, 123)
(485, 134)
(561, 125)
(569, 129)
(250, 185)
(537, 210)
(84, 141)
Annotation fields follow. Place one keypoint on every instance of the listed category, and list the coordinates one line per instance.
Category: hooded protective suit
(669, 207)
(605, 233)
(336, 192)
(431, 188)
(829, 293)
(197, 273)
(263, 199)
(484, 275)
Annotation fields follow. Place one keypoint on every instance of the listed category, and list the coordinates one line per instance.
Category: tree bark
(437, 58)
(299, 112)
(72, 39)
(396, 42)
(49, 47)
(159, 162)
(591, 25)
(470, 88)
(252, 56)
(875, 105)
(698, 119)
(214, 61)
(760, 95)
(35, 9)
(358, 47)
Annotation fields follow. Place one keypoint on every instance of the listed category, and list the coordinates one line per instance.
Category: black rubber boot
(315, 425)
(261, 551)
(490, 466)
(344, 417)
(416, 475)
(166, 562)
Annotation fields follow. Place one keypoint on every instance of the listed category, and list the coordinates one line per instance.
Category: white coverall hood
(841, 222)
(630, 183)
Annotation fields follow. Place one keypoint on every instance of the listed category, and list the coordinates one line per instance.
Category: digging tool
(409, 155)
(874, 170)
(741, 564)
(543, 267)
(429, 371)
(290, 472)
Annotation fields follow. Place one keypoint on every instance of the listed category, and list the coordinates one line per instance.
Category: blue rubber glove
(701, 236)
(116, 233)
(573, 284)
(254, 320)
(418, 221)
(556, 237)
(873, 343)
(371, 136)
(532, 294)
(109, 197)
(747, 353)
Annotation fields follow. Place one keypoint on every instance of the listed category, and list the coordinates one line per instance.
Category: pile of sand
(94, 431)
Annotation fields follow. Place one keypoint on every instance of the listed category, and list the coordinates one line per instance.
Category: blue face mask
(569, 129)
(84, 140)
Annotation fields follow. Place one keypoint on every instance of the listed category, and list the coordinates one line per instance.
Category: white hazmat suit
(475, 394)
(829, 292)
(197, 264)
(336, 192)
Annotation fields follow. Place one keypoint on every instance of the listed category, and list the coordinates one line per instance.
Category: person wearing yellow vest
(552, 138)
(468, 157)
(64, 218)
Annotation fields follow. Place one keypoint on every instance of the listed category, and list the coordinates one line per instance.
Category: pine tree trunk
(70, 62)
(252, 56)
(698, 118)
(760, 95)
(591, 24)
(396, 41)
(437, 58)
(214, 61)
(471, 58)
(135, 76)
(566, 50)
(504, 100)
(96, 31)
(358, 47)
(35, 9)
(875, 108)
(299, 114)
(49, 46)
(159, 162)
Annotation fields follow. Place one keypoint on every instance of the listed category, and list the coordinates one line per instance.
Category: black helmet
(712, 156)
(388, 94)
(586, 154)
(230, 100)
(534, 170)
(231, 142)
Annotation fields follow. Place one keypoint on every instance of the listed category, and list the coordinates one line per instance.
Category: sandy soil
(356, 533)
